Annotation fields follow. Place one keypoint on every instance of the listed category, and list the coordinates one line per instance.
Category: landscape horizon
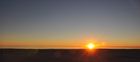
(70, 55)
(70, 31)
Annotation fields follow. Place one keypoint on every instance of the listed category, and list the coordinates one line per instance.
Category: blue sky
(66, 22)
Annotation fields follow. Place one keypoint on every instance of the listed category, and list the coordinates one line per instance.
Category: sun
(90, 46)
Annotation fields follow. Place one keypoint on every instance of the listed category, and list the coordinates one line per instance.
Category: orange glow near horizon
(90, 46)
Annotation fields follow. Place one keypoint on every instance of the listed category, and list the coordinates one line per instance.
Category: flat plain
(69, 55)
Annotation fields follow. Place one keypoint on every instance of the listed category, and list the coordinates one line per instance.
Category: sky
(69, 23)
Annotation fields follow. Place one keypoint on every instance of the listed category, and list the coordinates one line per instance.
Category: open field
(69, 55)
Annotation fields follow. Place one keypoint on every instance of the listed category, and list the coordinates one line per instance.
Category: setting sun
(90, 46)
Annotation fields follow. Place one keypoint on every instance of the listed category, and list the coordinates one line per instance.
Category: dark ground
(69, 55)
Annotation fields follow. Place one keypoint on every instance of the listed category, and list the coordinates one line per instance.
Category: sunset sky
(69, 23)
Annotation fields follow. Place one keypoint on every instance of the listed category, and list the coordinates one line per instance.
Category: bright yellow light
(91, 46)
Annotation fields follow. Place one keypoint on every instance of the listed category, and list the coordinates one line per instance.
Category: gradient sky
(69, 23)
